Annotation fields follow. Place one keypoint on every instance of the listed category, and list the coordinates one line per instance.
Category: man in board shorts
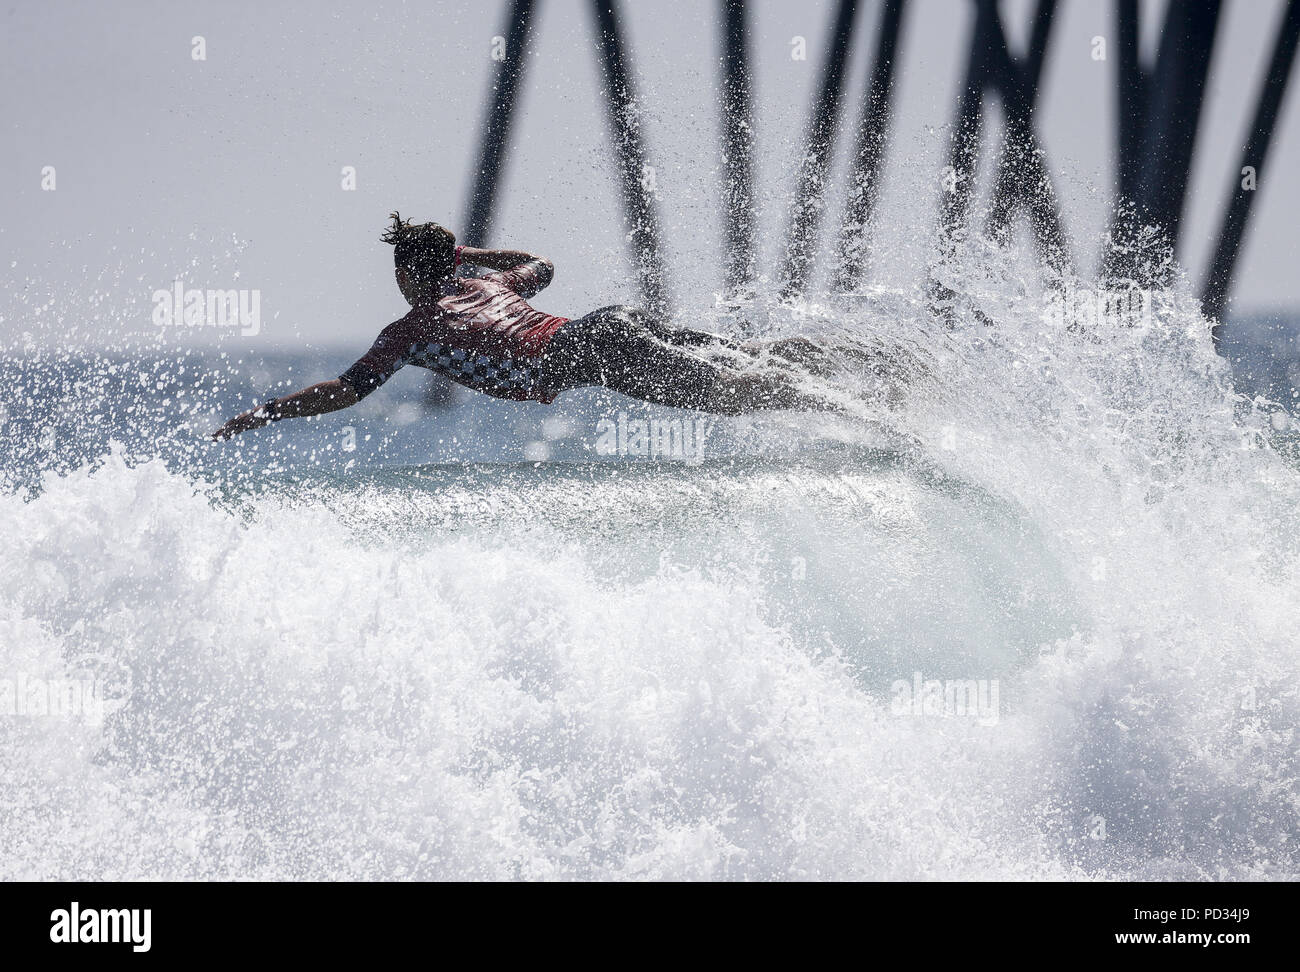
(482, 333)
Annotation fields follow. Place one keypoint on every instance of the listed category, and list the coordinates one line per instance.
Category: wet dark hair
(426, 251)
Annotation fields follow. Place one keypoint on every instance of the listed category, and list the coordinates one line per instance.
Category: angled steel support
(1237, 213)
(968, 127)
(1022, 177)
(1152, 191)
(873, 134)
(964, 150)
(801, 241)
(637, 183)
(1174, 109)
(1130, 102)
(737, 146)
(481, 207)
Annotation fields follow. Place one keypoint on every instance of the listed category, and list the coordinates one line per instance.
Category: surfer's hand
(252, 419)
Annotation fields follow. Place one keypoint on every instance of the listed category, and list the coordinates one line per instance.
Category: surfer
(482, 333)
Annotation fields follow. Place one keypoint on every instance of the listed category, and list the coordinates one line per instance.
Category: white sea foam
(685, 672)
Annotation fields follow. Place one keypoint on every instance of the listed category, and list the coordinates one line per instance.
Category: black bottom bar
(383, 921)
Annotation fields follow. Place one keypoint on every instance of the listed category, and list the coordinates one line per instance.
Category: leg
(796, 350)
(624, 350)
(821, 360)
(799, 351)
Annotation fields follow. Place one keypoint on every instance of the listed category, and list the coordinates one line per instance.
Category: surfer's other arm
(317, 399)
(498, 259)
(524, 273)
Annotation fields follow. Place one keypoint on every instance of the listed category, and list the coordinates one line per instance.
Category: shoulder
(404, 329)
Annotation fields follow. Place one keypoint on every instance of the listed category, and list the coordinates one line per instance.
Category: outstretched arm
(325, 396)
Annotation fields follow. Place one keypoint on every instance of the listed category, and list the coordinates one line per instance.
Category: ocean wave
(751, 667)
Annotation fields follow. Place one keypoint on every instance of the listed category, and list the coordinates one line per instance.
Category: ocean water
(470, 644)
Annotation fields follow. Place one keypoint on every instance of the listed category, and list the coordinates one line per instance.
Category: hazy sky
(226, 172)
